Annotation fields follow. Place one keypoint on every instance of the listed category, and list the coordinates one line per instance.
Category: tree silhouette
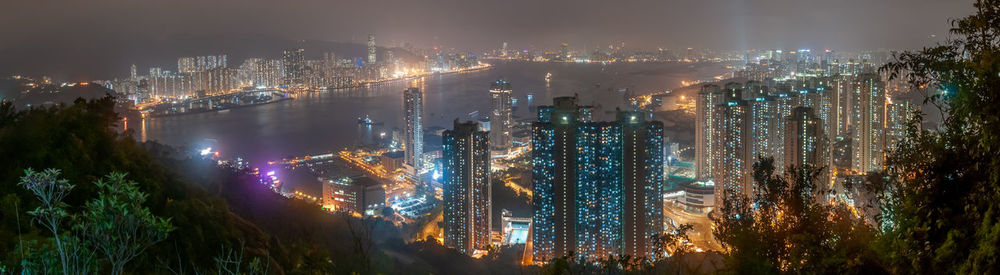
(939, 194)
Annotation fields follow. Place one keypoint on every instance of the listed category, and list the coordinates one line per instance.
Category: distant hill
(98, 58)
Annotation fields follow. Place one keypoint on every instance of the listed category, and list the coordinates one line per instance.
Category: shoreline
(219, 110)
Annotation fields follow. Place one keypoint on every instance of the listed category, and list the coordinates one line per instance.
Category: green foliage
(117, 224)
(942, 186)
(74, 257)
(788, 226)
(81, 140)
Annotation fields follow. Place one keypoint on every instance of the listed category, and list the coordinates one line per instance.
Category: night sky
(68, 29)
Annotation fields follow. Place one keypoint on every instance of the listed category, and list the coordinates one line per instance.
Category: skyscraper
(413, 108)
(784, 103)
(597, 185)
(897, 115)
(804, 141)
(467, 193)
(371, 49)
(763, 125)
(186, 65)
(564, 52)
(708, 97)
(501, 102)
(642, 163)
(295, 63)
(868, 124)
(731, 145)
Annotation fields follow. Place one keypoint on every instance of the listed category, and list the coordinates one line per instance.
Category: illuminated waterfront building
(413, 112)
(597, 185)
(359, 195)
(295, 63)
(260, 72)
(467, 194)
(564, 52)
(201, 63)
(868, 124)
(501, 102)
(371, 49)
(186, 65)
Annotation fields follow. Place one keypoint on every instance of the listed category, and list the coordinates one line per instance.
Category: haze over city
(115, 32)
(499, 137)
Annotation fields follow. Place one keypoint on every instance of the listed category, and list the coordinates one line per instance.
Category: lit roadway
(701, 231)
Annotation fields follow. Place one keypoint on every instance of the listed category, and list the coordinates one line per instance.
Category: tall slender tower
(413, 108)
(642, 173)
(868, 124)
(500, 116)
(467, 193)
(371, 49)
(597, 185)
(731, 146)
(709, 96)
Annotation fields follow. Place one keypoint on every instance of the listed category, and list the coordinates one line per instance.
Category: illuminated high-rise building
(763, 127)
(201, 63)
(839, 94)
(709, 96)
(413, 112)
(261, 72)
(597, 185)
(564, 52)
(642, 163)
(294, 61)
(731, 146)
(467, 194)
(371, 49)
(501, 102)
(897, 114)
(804, 140)
(186, 65)
(867, 124)
(784, 103)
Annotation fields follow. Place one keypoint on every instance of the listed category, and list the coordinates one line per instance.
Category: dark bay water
(320, 122)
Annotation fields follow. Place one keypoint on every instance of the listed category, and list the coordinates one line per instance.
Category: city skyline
(510, 137)
(127, 33)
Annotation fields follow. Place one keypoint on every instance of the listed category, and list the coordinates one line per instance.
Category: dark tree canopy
(941, 190)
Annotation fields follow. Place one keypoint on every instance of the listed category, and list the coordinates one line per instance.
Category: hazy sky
(473, 24)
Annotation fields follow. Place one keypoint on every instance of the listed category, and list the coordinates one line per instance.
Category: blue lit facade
(597, 185)
(466, 191)
(732, 146)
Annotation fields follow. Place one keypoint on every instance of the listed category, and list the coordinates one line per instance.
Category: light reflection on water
(327, 121)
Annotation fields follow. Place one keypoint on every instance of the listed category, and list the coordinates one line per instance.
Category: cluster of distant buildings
(614, 52)
(801, 109)
(198, 76)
